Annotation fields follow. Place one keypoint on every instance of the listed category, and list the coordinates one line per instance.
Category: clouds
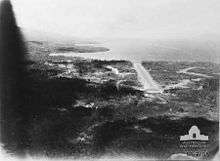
(119, 18)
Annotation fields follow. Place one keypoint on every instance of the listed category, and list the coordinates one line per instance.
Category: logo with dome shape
(194, 134)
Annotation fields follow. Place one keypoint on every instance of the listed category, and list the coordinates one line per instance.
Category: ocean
(137, 50)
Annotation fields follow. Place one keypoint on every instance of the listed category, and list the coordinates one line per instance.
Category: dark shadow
(13, 80)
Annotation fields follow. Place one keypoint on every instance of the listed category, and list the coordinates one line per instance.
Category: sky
(119, 18)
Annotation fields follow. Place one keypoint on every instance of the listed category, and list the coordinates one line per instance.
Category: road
(149, 85)
(185, 71)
